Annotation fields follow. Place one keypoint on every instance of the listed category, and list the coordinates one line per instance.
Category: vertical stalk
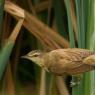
(1, 17)
(43, 83)
(78, 89)
(81, 12)
(58, 10)
(90, 44)
(70, 26)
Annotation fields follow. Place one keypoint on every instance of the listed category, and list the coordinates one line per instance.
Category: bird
(70, 61)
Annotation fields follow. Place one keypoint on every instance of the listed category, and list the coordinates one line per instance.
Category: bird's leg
(76, 80)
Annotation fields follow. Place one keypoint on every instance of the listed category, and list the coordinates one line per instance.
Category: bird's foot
(76, 80)
(74, 83)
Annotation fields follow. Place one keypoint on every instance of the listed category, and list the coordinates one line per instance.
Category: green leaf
(89, 81)
(4, 56)
(59, 13)
(1, 17)
(70, 26)
(81, 12)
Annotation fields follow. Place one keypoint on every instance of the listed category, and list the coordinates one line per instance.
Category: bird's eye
(35, 55)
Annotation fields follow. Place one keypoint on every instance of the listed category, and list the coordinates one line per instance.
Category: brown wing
(70, 58)
(81, 69)
(78, 54)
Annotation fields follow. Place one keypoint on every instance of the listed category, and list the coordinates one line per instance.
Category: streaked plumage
(63, 61)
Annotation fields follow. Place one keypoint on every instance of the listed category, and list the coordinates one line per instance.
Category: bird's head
(35, 56)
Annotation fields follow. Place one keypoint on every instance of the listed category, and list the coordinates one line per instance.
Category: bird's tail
(90, 60)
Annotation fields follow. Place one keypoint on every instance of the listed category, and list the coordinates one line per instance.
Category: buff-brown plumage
(65, 61)
(68, 61)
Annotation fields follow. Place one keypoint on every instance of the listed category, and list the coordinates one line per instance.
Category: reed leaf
(81, 12)
(37, 26)
(89, 83)
(4, 56)
(70, 26)
(1, 17)
(59, 13)
(7, 49)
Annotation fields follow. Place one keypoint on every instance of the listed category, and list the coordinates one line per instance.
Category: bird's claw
(74, 83)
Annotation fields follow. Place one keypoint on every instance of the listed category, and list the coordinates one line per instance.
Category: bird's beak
(25, 57)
